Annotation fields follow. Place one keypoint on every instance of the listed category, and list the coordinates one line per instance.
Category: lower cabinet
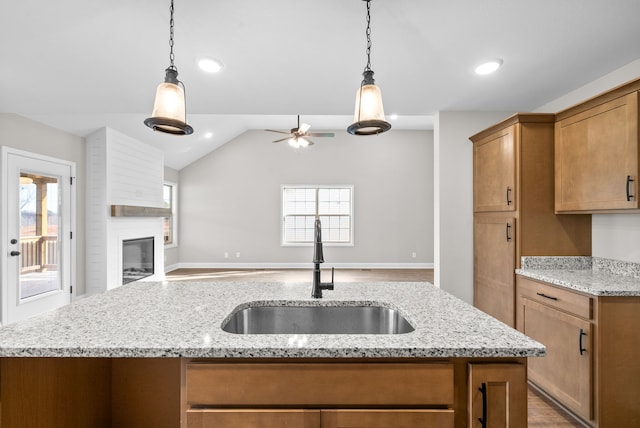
(429, 394)
(560, 320)
(333, 418)
(253, 418)
(497, 395)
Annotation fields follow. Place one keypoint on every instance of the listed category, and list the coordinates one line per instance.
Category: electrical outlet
(238, 255)
(414, 255)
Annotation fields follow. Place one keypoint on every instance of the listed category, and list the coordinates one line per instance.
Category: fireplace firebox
(137, 259)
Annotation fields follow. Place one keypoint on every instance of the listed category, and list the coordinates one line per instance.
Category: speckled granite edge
(616, 267)
(595, 276)
(556, 262)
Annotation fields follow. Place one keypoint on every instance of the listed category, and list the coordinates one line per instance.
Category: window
(301, 205)
(169, 224)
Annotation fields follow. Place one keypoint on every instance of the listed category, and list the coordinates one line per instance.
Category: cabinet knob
(14, 253)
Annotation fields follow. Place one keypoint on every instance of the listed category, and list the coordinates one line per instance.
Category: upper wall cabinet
(596, 154)
(494, 171)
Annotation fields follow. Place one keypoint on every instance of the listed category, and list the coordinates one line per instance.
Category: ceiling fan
(299, 137)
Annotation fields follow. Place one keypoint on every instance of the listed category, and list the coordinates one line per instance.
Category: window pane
(300, 208)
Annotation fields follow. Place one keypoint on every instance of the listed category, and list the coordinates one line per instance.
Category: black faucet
(318, 257)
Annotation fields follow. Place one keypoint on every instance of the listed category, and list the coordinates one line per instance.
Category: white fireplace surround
(120, 171)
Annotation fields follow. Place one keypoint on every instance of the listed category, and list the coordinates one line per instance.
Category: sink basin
(317, 320)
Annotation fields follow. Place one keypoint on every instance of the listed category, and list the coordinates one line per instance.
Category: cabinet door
(494, 264)
(596, 158)
(566, 371)
(494, 172)
(253, 418)
(388, 418)
(497, 395)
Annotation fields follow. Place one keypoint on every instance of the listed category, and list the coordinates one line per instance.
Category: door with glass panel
(39, 241)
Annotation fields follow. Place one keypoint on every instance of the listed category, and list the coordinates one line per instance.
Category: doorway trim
(4, 223)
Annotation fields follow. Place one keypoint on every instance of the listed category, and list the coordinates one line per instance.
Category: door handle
(483, 391)
(582, 350)
(15, 253)
(629, 181)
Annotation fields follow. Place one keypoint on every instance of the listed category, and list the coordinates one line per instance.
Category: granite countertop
(173, 319)
(592, 275)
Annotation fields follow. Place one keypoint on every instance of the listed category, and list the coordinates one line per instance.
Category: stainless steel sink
(317, 320)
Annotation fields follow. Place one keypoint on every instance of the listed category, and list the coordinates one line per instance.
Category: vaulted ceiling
(82, 64)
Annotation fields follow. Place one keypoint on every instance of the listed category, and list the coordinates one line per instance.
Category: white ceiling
(82, 64)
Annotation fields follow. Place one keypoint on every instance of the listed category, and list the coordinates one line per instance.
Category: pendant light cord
(171, 55)
(368, 32)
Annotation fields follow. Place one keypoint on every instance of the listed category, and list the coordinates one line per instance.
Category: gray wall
(230, 200)
(24, 134)
(454, 198)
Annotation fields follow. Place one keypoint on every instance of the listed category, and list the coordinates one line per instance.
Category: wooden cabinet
(513, 179)
(592, 344)
(494, 264)
(494, 172)
(566, 371)
(425, 394)
(496, 395)
(253, 418)
(431, 418)
(596, 156)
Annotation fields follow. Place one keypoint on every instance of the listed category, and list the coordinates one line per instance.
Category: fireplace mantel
(137, 211)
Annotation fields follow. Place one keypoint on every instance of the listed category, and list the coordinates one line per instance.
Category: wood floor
(542, 411)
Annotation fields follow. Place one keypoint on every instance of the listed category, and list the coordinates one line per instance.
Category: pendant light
(169, 110)
(369, 114)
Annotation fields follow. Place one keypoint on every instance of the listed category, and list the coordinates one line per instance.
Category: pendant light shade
(368, 118)
(169, 109)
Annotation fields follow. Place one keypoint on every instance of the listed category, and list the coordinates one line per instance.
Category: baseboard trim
(298, 266)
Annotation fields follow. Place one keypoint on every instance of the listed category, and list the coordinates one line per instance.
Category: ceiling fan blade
(282, 139)
(279, 132)
(311, 143)
(321, 134)
(304, 128)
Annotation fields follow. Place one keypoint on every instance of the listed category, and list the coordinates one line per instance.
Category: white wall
(453, 155)
(171, 253)
(614, 236)
(24, 134)
(230, 200)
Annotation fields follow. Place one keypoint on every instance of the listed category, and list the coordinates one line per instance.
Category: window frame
(174, 214)
(317, 187)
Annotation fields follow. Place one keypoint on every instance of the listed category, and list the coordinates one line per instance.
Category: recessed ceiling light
(489, 67)
(210, 65)
(393, 116)
(208, 135)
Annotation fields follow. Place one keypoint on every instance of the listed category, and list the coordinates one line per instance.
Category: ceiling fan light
(303, 142)
(169, 110)
(293, 142)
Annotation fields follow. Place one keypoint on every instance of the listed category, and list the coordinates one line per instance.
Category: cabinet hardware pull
(509, 201)
(629, 181)
(547, 297)
(15, 253)
(483, 419)
(508, 232)
(582, 350)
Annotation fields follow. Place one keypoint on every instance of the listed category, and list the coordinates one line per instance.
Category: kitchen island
(154, 354)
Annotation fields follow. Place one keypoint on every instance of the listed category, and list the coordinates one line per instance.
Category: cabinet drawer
(556, 297)
(252, 418)
(319, 384)
(387, 418)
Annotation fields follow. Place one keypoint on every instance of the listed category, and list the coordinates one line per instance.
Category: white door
(37, 204)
